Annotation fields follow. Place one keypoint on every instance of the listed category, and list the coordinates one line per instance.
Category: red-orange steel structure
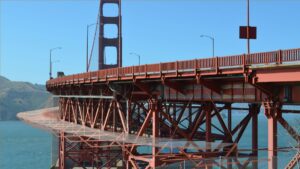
(105, 42)
(177, 99)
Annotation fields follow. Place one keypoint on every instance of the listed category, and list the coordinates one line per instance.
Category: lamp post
(213, 43)
(51, 50)
(87, 45)
(248, 24)
(139, 56)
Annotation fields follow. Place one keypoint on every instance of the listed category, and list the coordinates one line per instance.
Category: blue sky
(158, 30)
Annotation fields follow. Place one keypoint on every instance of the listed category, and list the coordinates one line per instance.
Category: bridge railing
(152, 68)
(169, 66)
(262, 58)
(188, 64)
(206, 63)
(231, 61)
(290, 55)
(124, 71)
(228, 62)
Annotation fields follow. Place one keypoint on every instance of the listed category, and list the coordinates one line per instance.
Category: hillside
(17, 97)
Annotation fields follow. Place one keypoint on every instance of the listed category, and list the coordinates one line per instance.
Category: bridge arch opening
(110, 10)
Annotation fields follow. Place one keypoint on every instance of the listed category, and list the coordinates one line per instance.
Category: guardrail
(226, 62)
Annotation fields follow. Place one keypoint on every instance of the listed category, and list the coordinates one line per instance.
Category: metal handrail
(273, 57)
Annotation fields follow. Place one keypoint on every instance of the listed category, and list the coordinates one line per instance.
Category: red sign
(244, 34)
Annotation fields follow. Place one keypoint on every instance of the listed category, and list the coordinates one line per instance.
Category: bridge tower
(106, 42)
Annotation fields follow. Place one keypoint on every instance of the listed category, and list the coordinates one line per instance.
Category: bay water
(24, 147)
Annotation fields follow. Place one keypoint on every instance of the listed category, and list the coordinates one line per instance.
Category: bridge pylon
(110, 42)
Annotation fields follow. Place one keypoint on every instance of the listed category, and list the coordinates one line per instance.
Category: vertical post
(208, 124)
(61, 150)
(50, 71)
(51, 50)
(213, 46)
(279, 57)
(120, 47)
(154, 108)
(128, 116)
(254, 110)
(126, 162)
(272, 143)
(217, 64)
(102, 112)
(208, 108)
(213, 43)
(271, 109)
(160, 71)
(139, 60)
(87, 48)
(176, 67)
(114, 116)
(244, 61)
(229, 161)
(87, 45)
(229, 111)
(229, 125)
(248, 26)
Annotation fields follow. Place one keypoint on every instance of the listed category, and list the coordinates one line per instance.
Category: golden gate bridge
(171, 114)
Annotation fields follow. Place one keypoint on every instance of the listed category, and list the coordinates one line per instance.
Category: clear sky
(158, 30)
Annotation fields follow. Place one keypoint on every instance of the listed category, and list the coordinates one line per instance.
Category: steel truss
(155, 118)
(173, 132)
(77, 151)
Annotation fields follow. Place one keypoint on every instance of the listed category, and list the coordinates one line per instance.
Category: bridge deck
(228, 65)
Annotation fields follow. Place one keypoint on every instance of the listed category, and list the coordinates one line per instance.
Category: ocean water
(25, 147)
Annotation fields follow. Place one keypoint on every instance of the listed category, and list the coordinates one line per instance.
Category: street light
(53, 63)
(87, 45)
(213, 43)
(139, 56)
(51, 50)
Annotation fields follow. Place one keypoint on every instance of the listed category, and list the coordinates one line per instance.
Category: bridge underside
(187, 100)
(178, 109)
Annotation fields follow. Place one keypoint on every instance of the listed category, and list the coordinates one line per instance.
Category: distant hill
(17, 97)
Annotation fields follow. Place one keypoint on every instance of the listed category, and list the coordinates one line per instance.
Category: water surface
(23, 147)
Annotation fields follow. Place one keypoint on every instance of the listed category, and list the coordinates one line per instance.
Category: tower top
(108, 42)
